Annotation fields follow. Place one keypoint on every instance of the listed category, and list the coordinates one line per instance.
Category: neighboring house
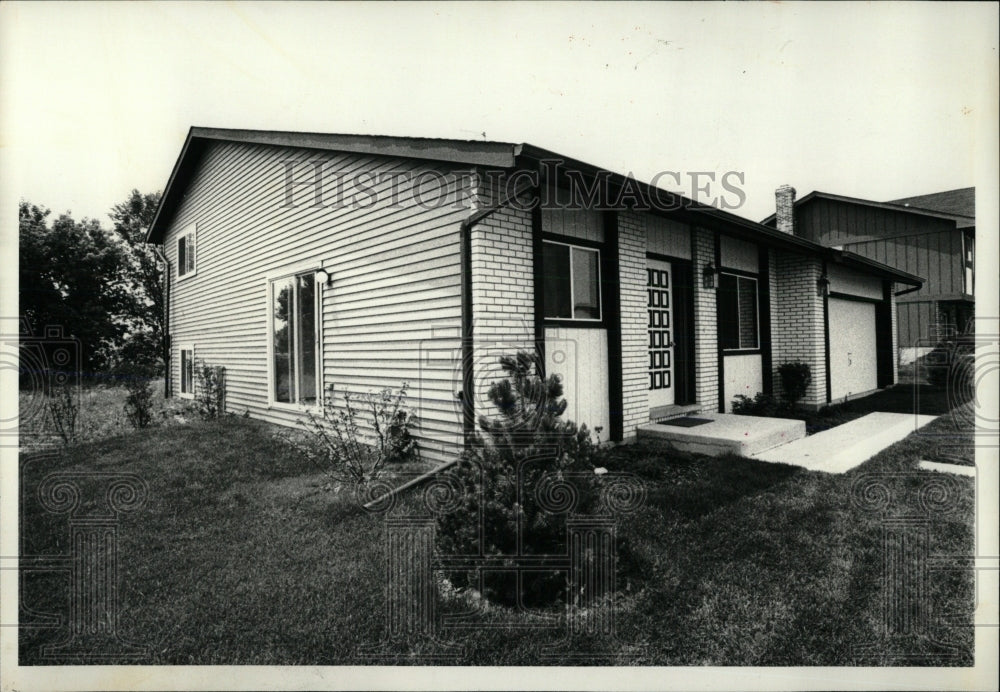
(932, 235)
(302, 262)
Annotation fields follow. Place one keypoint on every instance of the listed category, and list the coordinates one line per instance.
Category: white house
(303, 261)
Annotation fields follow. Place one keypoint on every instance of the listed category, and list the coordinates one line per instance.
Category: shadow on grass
(922, 399)
(241, 557)
(687, 486)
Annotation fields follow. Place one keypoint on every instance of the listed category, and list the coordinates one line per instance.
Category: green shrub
(354, 442)
(139, 401)
(528, 448)
(795, 380)
(761, 405)
(64, 411)
(210, 390)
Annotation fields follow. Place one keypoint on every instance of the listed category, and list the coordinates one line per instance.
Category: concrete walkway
(726, 433)
(846, 446)
(969, 471)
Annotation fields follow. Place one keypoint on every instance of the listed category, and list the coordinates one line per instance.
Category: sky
(877, 100)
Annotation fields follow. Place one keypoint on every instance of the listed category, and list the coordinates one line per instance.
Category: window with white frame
(738, 318)
(572, 281)
(969, 243)
(187, 372)
(185, 252)
(294, 315)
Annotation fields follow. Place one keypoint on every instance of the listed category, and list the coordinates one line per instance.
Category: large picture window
(738, 319)
(294, 342)
(572, 282)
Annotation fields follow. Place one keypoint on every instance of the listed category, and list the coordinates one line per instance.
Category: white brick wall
(776, 354)
(706, 333)
(797, 326)
(635, 344)
(895, 333)
(503, 310)
(502, 292)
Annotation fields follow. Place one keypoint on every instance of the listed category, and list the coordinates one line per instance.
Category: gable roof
(903, 205)
(961, 202)
(488, 154)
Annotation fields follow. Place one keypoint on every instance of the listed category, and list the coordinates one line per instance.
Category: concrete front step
(727, 434)
(662, 413)
(846, 446)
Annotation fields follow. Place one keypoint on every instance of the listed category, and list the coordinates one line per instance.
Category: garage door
(853, 363)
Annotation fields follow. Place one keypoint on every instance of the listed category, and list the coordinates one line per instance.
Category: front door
(660, 307)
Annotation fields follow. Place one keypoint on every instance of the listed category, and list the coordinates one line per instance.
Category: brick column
(635, 347)
(895, 333)
(706, 339)
(798, 330)
(777, 356)
(503, 295)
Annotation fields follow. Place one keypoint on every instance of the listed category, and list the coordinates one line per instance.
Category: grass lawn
(239, 556)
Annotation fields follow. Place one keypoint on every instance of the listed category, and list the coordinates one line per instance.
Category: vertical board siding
(393, 310)
(667, 237)
(739, 254)
(926, 246)
(576, 223)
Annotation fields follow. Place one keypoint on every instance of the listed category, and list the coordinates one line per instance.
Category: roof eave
(860, 261)
(155, 232)
(472, 152)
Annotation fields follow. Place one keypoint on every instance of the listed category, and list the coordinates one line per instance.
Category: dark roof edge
(168, 199)
(852, 259)
(478, 152)
(503, 155)
(472, 152)
(879, 205)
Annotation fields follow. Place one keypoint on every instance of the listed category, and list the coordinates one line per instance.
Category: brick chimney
(784, 203)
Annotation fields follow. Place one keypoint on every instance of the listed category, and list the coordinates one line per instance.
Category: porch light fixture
(823, 286)
(709, 276)
(323, 277)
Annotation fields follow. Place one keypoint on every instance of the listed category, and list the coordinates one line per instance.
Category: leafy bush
(795, 380)
(509, 482)
(142, 349)
(210, 390)
(952, 364)
(761, 405)
(64, 410)
(139, 401)
(354, 442)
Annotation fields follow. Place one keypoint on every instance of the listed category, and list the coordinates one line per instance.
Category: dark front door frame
(683, 316)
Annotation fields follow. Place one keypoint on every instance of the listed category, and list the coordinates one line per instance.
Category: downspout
(167, 389)
(911, 289)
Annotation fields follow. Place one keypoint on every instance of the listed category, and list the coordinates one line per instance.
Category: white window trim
(269, 279)
(189, 231)
(756, 305)
(572, 293)
(180, 366)
(968, 265)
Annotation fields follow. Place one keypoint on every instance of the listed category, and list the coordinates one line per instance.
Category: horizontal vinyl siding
(393, 310)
